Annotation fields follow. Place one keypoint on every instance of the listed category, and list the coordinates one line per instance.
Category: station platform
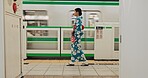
(58, 69)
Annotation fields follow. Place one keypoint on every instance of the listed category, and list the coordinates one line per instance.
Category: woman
(77, 54)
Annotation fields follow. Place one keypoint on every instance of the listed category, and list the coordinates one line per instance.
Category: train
(47, 29)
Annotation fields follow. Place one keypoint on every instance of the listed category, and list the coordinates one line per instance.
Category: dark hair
(79, 10)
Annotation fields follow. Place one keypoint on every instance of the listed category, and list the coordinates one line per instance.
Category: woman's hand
(82, 27)
(72, 39)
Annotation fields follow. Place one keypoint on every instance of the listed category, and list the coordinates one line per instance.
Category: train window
(35, 17)
(42, 40)
(93, 17)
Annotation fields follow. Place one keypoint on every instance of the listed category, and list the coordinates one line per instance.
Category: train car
(48, 28)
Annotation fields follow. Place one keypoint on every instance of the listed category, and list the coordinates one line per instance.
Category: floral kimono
(76, 52)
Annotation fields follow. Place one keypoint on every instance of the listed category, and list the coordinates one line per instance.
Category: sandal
(83, 64)
(70, 65)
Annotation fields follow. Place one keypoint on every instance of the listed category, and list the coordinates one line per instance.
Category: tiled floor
(58, 69)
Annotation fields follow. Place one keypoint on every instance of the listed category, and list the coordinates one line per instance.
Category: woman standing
(77, 54)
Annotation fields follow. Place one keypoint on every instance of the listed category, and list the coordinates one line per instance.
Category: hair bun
(79, 10)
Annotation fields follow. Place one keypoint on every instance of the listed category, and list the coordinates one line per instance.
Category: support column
(134, 46)
(2, 72)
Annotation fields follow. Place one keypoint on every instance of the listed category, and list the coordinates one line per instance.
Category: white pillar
(134, 46)
(2, 75)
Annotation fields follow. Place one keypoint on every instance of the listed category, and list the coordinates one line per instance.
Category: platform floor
(58, 69)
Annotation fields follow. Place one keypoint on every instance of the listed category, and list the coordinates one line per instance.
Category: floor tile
(54, 72)
(39, 69)
(25, 72)
(48, 76)
(90, 76)
(36, 73)
(116, 72)
(74, 68)
(110, 77)
(78, 77)
(71, 73)
(102, 67)
(28, 76)
(33, 64)
(105, 73)
(86, 68)
(113, 67)
(27, 69)
(58, 77)
(88, 73)
(38, 77)
(30, 66)
(68, 77)
(55, 68)
(42, 66)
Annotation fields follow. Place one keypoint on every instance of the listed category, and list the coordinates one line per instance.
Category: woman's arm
(78, 24)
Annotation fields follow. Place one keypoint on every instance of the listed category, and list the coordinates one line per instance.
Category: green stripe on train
(56, 39)
(42, 39)
(68, 55)
(65, 39)
(83, 39)
(83, 42)
(108, 27)
(72, 2)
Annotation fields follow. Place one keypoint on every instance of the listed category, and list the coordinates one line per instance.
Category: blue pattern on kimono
(76, 52)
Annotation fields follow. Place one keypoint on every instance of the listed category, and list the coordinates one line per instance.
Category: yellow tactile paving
(64, 61)
(46, 61)
(55, 61)
(67, 61)
(28, 61)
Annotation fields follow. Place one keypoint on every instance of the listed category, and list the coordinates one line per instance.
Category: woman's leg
(73, 54)
(76, 51)
(71, 63)
(79, 50)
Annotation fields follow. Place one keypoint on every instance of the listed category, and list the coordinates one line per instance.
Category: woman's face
(76, 13)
